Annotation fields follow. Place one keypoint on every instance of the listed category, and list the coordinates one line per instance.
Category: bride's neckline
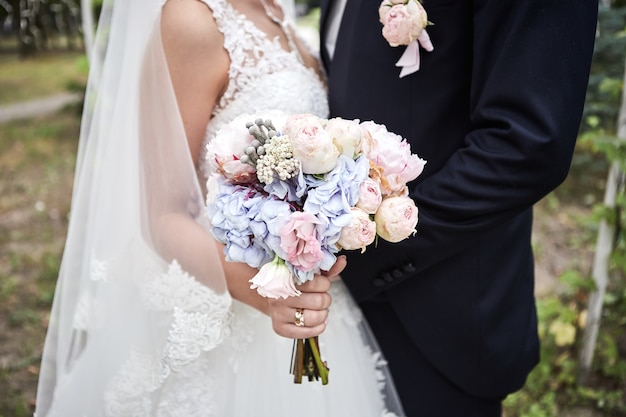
(284, 25)
(285, 28)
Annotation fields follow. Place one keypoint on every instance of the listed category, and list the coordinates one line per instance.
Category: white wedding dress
(137, 330)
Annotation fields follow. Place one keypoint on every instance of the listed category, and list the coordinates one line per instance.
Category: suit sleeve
(529, 72)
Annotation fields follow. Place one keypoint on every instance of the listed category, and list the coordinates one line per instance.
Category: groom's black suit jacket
(495, 110)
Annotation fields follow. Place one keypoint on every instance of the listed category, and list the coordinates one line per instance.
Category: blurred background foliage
(42, 53)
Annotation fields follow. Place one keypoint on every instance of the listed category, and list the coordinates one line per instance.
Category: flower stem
(307, 361)
(322, 369)
(297, 368)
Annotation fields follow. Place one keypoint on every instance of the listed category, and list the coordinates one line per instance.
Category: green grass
(36, 165)
(40, 76)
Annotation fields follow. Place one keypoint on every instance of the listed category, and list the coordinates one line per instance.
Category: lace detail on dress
(195, 319)
(190, 335)
(201, 317)
(262, 75)
(128, 393)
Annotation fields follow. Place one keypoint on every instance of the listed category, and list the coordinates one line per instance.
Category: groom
(495, 110)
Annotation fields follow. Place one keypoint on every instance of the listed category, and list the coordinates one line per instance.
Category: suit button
(409, 268)
(378, 282)
(387, 277)
(396, 273)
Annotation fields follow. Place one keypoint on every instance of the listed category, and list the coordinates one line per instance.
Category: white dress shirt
(332, 27)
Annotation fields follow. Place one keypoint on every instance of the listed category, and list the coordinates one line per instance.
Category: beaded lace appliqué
(196, 320)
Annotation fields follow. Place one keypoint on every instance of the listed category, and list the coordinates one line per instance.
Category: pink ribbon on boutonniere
(404, 23)
(410, 59)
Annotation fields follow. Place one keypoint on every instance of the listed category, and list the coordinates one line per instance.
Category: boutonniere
(404, 23)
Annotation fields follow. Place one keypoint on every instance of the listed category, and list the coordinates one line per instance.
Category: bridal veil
(137, 249)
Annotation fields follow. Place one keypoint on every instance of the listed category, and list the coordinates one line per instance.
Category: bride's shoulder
(190, 22)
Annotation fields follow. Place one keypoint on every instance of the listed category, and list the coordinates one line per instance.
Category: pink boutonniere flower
(404, 23)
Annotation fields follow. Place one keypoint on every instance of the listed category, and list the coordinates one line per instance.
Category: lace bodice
(262, 75)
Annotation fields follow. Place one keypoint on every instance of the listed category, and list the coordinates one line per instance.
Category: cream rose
(370, 196)
(396, 218)
(360, 233)
(346, 135)
(312, 145)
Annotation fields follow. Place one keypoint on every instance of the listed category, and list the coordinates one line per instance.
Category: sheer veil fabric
(142, 323)
(138, 267)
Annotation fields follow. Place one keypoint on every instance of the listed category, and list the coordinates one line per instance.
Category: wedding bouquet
(287, 193)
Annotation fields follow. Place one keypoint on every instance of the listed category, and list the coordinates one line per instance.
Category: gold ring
(298, 317)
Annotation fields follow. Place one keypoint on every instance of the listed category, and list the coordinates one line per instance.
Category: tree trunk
(88, 26)
(604, 247)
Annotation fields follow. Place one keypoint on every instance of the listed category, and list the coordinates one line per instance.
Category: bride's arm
(198, 65)
(197, 62)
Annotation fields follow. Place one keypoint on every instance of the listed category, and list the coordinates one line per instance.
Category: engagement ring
(298, 317)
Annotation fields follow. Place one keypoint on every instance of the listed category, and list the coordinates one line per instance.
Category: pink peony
(359, 233)
(274, 280)
(393, 154)
(224, 151)
(298, 238)
(312, 145)
(403, 21)
(370, 196)
(396, 218)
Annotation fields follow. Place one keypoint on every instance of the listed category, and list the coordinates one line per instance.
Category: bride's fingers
(335, 270)
(313, 303)
(320, 283)
(282, 309)
(300, 317)
(294, 332)
(301, 324)
(312, 321)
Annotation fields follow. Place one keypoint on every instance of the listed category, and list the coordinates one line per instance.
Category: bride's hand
(313, 304)
(333, 273)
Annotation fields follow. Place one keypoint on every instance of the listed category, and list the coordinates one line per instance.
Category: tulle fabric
(359, 382)
(138, 261)
(142, 324)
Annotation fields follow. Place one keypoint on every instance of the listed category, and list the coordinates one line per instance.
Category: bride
(148, 319)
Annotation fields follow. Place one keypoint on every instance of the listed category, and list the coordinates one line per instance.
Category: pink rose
(274, 280)
(298, 238)
(393, 154)
(311, 144)
(360, 233)
(370, 196)
(346, 135)
(403, 22)
(396, 218)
